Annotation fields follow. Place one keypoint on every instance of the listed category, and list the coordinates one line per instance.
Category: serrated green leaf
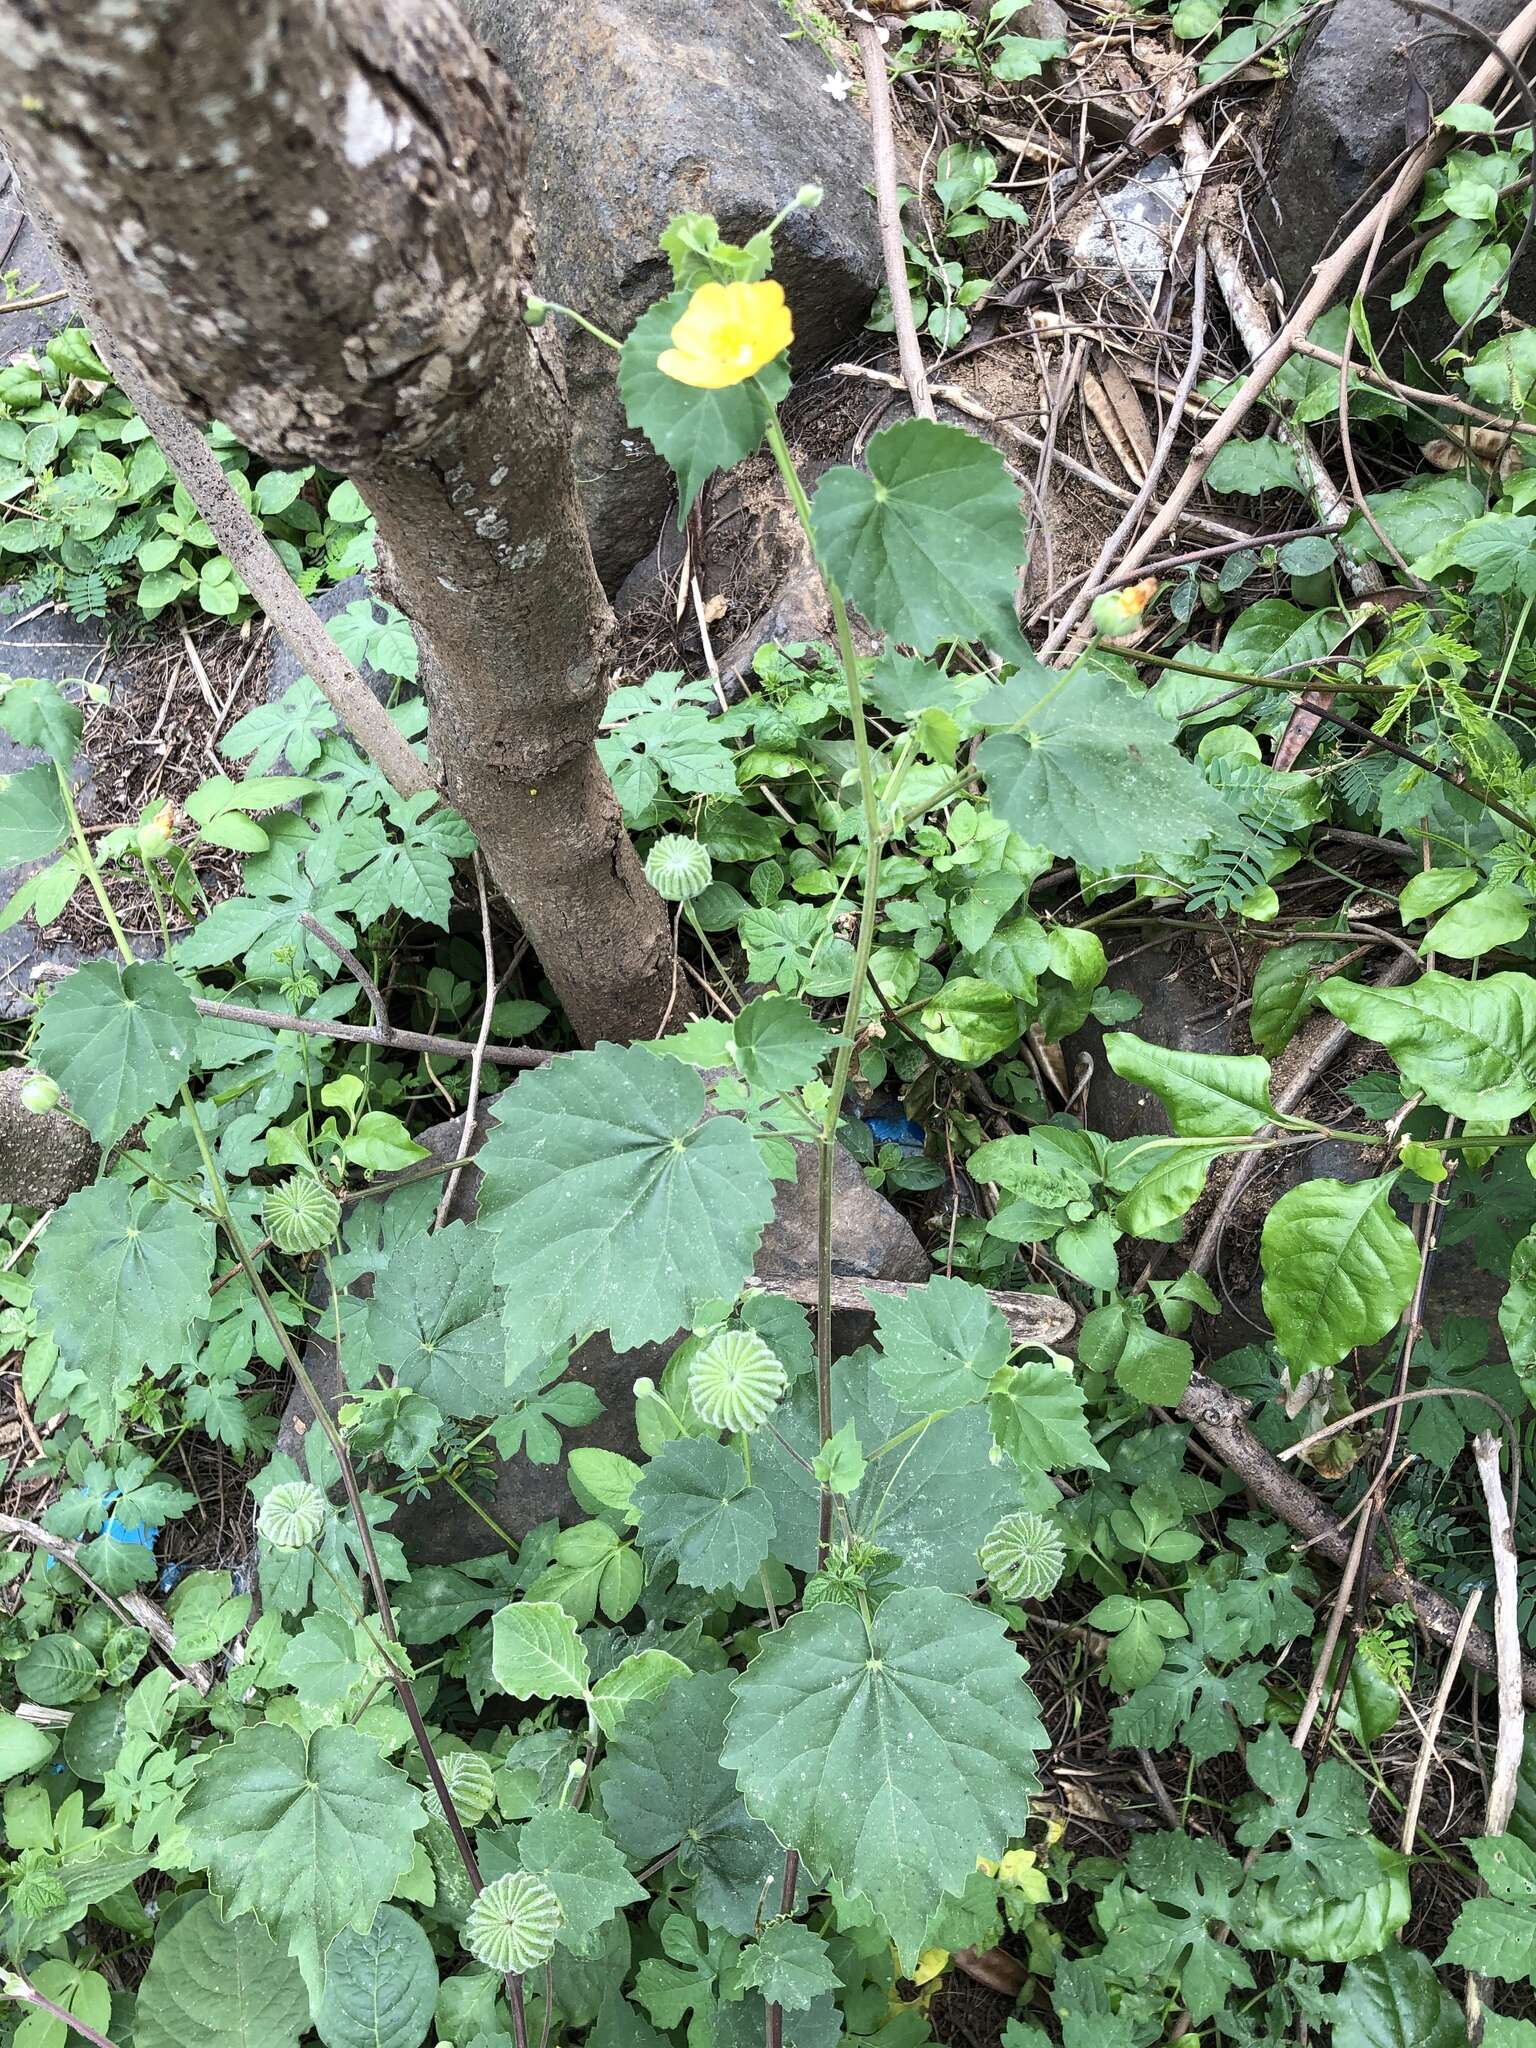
(615, 1202)
(939, 1344)
(118, 1041)
(436, 1322)
(928, 541)
(696, 432)
(841, 1730)
(1339, 1269)
(1037, 1418)
(380, 1986)
(697, 1508)
(120, 1277)
(778, 1043)
(214, 1983)
(643, 1676)
(1206, 1095)
(577, 1858)
(536, 1653)
(931, 1500)
(663, 1788)
(789, 1964)
(33, 819)
(35, 714)
(1096, 775)
(309, 1835)
(1497, 1935)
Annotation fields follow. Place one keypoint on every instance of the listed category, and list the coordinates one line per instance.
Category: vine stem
(18, 1988)
(826, 1141)
(225, 1217)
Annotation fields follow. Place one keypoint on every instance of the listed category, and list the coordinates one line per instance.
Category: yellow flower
(726, 335)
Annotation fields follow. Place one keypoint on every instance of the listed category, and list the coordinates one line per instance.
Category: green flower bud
(535, 311)
(809, 195)
(39, 1094)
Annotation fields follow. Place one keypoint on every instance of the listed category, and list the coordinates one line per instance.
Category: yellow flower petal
(726, 334)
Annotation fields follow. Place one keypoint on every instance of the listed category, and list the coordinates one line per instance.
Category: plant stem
(868, 915)
(28, 1994)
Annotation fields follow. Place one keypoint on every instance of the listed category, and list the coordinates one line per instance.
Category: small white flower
(835, 86)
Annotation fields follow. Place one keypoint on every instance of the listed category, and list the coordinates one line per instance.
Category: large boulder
(1343, 122)
(43, 1159)
(641, 109)
(870, 1241)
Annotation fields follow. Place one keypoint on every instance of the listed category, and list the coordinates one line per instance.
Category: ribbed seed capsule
(678, 868)
(1023, 1557)
(735, 1382)
(292, 1515)
(471, 1786)
(300, 1214)
(512, 1925)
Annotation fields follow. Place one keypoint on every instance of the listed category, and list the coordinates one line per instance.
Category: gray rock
(23, 250)
(43, 1159)
(62, 650)
(641, 109)
(1177, 995)
(1342, 124)
(870, 1241)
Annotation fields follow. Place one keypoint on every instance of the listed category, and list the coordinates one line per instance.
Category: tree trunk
(304, 218)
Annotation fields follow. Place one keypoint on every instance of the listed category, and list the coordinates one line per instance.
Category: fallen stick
(1220, 1418)
(134, 1608)
(883, 147)
(1328, 279)
(1031, 1318)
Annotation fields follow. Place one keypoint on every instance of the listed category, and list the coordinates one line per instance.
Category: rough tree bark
(304, 217)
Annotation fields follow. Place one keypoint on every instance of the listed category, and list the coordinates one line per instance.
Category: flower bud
(809, 195)
(39, 1094)
(535, 311)
(156, 838)
(1118, 612)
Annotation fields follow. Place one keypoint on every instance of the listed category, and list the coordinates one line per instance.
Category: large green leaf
(214, 1983)
(309, 1835)
(891, 1753)
(33, 818)
(929, 540)
(380, 1985)
(1469, 1045)
(695, 431)
(1339, 1269)
(1395, 2000)
(1095, 775)
(120, 1278)
(662, 1786)
(939, 1344)
(931, 1499)
(697, 1507)
(1206, 1094)
(118, 1041)
(576, 1857)
(436, 1322)
(617, 1204)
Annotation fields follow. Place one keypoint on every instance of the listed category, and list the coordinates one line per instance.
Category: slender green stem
(589, 326)
(91, 871)
(18, 1988)
(864, 944)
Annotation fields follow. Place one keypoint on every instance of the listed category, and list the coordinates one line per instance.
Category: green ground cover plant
(750, 1750)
